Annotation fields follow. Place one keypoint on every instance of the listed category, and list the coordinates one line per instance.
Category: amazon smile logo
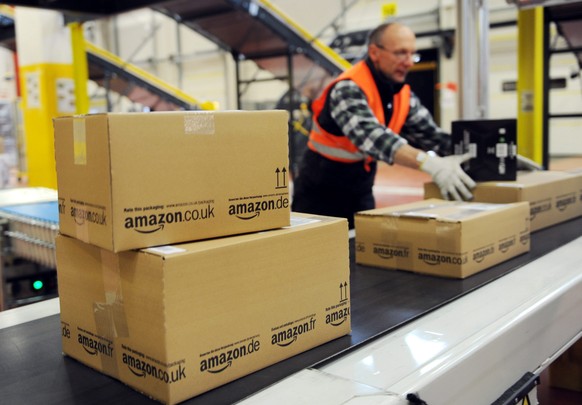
(155, 222)
(290, 335)
(220, 362)
(253, 209)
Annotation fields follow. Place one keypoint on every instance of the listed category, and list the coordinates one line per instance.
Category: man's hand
(446, 172)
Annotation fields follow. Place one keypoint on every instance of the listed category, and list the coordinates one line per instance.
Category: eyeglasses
(402, 55)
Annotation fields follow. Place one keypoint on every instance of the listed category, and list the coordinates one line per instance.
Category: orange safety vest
(340, 148)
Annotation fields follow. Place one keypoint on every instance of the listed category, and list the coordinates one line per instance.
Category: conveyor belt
(33, 371)
(32, 229)
(257, 31)
(28, 229)
(249, 30)
(568, 20)
(26, 195)
(45, 212)
(113, 73)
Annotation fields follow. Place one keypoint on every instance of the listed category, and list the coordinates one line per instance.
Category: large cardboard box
(135, 180)
(554, 196)
(442, 238)
(175, 321)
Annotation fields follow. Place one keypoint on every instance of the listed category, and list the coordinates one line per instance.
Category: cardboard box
(175, 321)
(554, 196)
(442, 238)
(136, 180)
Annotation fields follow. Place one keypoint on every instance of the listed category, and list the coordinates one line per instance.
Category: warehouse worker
(367, 114)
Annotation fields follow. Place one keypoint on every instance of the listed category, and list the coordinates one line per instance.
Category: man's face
(395, 54)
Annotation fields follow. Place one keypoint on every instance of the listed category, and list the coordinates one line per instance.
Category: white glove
(448, 175)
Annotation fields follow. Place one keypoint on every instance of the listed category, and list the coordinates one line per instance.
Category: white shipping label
(32, 85)
(65, 90)
(473, 150)
(298, 221)
(501, 150)
(165, 250)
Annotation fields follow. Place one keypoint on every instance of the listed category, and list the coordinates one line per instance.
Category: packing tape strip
(82, 231)
(200, 123)
(447, 235)
(110, 315)
(80, 158)
(389, 228)
(79, 141)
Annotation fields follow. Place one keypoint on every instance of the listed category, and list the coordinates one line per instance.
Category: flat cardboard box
(554, 196)
(135, 180)
(442, 238)
(175, 321)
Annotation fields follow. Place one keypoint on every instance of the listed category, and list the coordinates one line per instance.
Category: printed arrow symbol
(343, 288)
(284, 172)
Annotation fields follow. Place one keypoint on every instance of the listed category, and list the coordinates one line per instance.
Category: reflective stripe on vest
(340, 148)
(337, 152)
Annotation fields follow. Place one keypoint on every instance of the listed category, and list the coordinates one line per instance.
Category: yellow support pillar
(80, 71)
(47, 87)
(530, 83)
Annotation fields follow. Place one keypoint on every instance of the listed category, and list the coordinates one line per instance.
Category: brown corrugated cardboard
(175, 321)
(135, 180)
(442, 238)
(554, 196)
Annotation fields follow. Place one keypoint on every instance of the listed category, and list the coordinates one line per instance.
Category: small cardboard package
(442, 238)
(135, 180)
(554, 196)
(176, 321)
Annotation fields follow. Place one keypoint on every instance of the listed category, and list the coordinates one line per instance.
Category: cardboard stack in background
(442, 238)
(553, 196)
(173, 320)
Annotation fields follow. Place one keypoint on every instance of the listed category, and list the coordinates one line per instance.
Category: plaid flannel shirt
(350, 109)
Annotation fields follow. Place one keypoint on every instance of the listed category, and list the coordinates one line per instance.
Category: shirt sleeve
(422, 132)
(349, 108)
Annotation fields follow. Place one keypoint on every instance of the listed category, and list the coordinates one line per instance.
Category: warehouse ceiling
(249, 30)
(87, 9)
(117, 75)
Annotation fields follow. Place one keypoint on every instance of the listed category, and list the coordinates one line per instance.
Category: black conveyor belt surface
(33, 370)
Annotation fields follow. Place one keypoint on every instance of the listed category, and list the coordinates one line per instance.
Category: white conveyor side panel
(469, 351)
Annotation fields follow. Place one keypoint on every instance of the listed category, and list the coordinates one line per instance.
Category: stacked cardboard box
(172, 319)
(442, 238)
(128, 181)
(553, 196)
